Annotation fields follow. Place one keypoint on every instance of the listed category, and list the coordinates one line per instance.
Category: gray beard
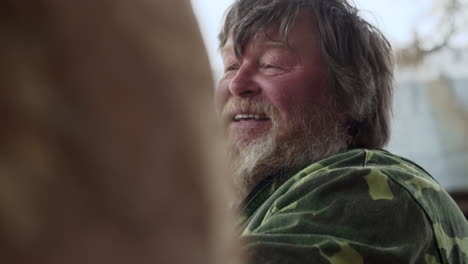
(274, 154)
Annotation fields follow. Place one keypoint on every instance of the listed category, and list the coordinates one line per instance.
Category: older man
(306, 101)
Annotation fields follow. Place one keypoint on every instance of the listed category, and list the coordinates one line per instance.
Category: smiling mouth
(250, 117)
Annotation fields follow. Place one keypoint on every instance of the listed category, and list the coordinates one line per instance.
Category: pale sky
(396, 18)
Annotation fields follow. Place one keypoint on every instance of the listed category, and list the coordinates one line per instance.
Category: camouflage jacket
(362, 206)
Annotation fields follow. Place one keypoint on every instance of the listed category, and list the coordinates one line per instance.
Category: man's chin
(239, 143)
(253, 160)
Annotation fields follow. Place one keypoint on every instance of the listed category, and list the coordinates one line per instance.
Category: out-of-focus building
(430, 124)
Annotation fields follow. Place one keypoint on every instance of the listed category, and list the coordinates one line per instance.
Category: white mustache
(236, 106)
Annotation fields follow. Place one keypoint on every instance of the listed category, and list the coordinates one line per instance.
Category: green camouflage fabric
(362, 206)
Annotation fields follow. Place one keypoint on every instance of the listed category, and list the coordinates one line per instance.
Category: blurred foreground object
(107, 142)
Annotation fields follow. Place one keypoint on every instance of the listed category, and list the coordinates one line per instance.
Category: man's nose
(242, 84)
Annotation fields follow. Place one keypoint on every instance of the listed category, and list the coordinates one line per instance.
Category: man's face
(289, 78)
(276, 93)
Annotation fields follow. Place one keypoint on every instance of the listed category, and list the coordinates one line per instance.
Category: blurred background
(430, 39)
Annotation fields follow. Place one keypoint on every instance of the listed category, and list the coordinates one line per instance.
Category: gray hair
(358, 57)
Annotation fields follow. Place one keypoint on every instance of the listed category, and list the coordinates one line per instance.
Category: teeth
(248, 116)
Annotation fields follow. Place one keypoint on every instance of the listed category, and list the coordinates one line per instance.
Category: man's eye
(269, 66)
(231, 68)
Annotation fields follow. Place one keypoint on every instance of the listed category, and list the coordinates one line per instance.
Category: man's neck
(244, 195)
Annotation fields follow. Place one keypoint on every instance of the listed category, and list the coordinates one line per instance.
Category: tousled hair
(357, 55)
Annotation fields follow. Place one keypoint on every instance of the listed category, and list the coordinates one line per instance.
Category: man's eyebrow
(277, 44)
(269, 45)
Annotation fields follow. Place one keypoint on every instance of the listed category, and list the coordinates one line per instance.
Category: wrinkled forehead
(269, 35)
(263, 41)
(301, 34)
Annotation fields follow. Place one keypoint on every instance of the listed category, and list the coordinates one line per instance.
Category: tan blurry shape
(108, 148)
